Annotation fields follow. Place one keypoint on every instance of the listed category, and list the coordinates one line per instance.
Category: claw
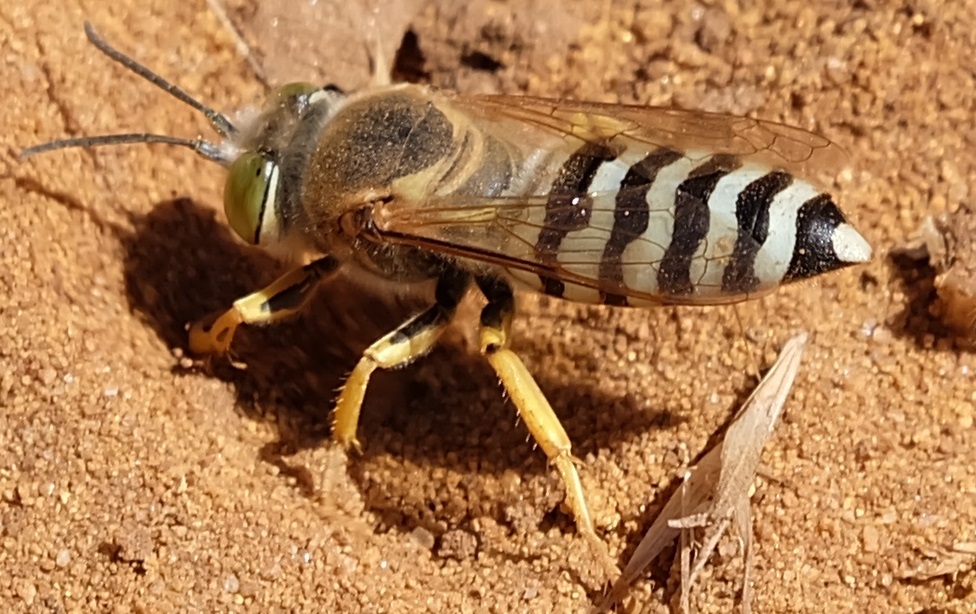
(350, 444)
(216, 338)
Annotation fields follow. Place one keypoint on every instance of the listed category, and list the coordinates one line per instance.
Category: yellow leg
(535, 411)
(282, 298)
(410, 341)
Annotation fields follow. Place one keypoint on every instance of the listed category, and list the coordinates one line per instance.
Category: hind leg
(535, 410)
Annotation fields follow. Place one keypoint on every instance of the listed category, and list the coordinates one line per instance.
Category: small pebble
(231, 584)
(63, 558)
(26, 590)
(423, 538)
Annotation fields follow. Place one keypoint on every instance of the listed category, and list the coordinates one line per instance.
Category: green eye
(294, 90)
(246, 194)
(293, 95)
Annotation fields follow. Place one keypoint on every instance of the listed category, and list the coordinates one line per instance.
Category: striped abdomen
(661, 226)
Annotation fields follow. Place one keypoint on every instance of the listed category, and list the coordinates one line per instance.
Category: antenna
(208, 150)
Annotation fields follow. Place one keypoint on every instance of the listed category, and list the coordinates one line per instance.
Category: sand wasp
(599, 203)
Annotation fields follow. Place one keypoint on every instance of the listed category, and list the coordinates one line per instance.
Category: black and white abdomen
(684, 228)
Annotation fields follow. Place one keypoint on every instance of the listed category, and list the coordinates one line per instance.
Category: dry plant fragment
(322, 42)
(939, 562)
(716, 492)
(951, 243)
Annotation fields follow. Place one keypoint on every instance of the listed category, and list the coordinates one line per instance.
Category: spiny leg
(410, 341)
(282, 298)
(535, 410)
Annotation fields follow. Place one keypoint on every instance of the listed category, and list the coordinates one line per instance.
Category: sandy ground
(133, 479)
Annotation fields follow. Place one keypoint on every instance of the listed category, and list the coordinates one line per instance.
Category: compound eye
(294, 96)
(246, 194)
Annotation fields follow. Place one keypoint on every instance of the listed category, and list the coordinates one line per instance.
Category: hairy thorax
(403, 144)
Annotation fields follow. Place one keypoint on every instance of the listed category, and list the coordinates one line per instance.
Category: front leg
(408, 342)
(535, 410)
(282, 298)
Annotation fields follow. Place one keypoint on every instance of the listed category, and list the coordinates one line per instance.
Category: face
(252, 179)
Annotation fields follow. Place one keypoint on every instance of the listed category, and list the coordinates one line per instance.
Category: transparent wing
(794, 150)
(504, 231)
